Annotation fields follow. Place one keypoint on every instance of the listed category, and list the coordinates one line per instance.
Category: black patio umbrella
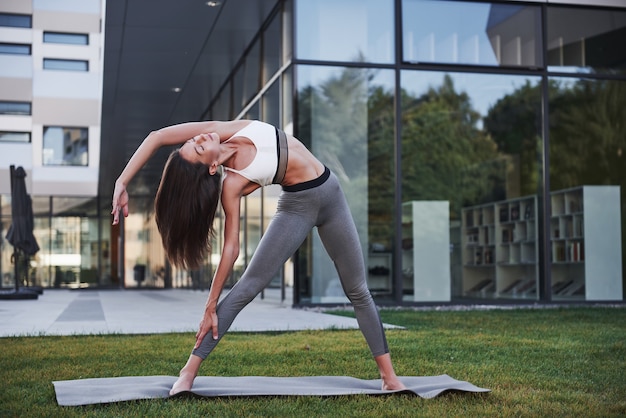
(20, 234)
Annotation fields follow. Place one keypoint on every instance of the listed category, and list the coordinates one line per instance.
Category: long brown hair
(185, 206)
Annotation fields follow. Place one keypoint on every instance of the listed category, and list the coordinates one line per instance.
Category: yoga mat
(118, 389)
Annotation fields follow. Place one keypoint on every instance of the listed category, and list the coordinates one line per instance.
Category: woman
(253, 154)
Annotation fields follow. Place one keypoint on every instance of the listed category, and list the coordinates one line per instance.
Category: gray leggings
(322, 204)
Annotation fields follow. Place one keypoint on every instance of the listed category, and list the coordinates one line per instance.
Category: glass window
(143, 249)
(107, 274)
(270, 104)
(15, 108)
(252, 74)
(346, 117)
(68, 65)
(345, 30)
(272, 50)
(583, 40)
(17, 49)
(73, 206)
(471, 33)
(14, 136)
(15, 20)
(471, 166)
(222, 106)
(287, 31)
(64, 254)
(65, 146)
(237, 86)
(66, 38)
(287, 100)
(72, 252)
(253, 112)
(587, 184)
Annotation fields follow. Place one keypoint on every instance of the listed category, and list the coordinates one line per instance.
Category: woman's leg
(340, 238)
(187, 375)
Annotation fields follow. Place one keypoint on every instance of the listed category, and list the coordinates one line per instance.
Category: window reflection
(471, 33)
(587, 179)
(14, 136)
(252, 73)
(346, 119)
(66, 38)
(66, 206)
(272, 49)
(15, 108)
(345, 30)
(65, 146)
(270, 105)
(470, 146)
(583, 40)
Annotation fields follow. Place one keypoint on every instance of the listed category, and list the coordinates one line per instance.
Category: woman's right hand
(208, 324)
(120, 202)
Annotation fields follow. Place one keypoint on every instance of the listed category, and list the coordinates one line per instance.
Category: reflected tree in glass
(587, 133)
(445, 155)
(588, 137)
(514, 123)
(346, 119)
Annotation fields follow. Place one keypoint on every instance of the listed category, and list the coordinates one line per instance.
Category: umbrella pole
(15, 255)
(17, 280)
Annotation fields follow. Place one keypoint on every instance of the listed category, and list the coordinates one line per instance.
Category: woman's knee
(241, 294)
(359, 295)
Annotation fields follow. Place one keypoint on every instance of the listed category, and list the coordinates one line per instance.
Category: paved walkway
(78, 312)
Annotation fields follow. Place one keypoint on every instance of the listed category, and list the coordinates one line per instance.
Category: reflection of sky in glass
(484, 90)
(439, 31)
(470, 33)
(341, 30)
(53, 145)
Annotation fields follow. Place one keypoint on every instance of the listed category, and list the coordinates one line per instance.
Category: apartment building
(51, 55)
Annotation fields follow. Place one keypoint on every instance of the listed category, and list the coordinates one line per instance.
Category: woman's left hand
(208, 324)
(120, 202)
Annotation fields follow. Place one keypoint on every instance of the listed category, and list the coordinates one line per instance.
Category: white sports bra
(263, 167)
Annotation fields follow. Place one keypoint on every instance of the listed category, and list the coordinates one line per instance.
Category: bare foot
(393, 384)
(183, 384)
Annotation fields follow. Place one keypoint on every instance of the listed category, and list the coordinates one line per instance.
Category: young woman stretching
(253, 154)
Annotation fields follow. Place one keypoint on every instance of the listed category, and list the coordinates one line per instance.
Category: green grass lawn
(567, 362)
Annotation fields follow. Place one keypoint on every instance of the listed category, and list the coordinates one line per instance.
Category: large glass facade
(73, 251)
(470, 195)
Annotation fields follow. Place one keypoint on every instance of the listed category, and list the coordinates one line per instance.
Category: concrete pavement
(81, 312)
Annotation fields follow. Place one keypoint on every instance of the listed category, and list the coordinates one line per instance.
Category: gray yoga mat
(118, 389)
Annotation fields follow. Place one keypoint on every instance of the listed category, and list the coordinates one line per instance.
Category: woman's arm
(231, 199)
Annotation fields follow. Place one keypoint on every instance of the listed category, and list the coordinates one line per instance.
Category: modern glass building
(481, 145)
